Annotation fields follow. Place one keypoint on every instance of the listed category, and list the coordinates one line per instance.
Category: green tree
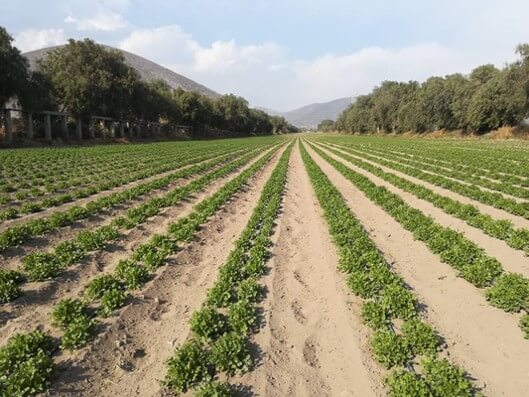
(13, 68)
(326, 125)
(89, 79)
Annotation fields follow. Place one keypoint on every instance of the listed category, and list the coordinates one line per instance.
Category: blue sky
(284, 54)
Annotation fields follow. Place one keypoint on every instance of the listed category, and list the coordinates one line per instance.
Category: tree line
(485, 100)
(84, 78)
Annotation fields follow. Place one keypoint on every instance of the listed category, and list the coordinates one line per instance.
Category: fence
(52, 125)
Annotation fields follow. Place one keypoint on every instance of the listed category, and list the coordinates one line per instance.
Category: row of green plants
(506, 291)
(220, 329)
(517, 238)
(467, 176)
(22, 375)
(28, 172)
(486, 197)
(19, 234)
(401, 340)
(496, 158)
(122, 177)
(473, 165)
(41, 266)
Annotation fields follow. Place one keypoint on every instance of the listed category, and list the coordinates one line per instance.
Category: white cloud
(267, 76)
(33, 39)
(106, 21)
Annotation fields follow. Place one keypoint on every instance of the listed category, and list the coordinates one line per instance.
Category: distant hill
(147, 70)
(311, 115)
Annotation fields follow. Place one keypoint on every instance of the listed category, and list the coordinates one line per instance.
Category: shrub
(188, 366)
(524, 325)
(41, 266)
(231, 354)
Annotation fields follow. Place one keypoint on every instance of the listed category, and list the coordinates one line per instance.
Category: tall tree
(13, 69)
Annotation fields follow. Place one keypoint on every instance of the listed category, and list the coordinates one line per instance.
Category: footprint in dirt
(309, 353)
(298, 313)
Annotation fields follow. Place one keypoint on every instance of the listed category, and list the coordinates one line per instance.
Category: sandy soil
(313, 342)
(129, 357)
(485, 341)
(34, 307)
(484, 208)
(511, 259)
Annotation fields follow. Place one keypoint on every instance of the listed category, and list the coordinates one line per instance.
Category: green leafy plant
(99, 285)
(510, 292)
(445, 379)
(398, 301)
(420, 337)
(231, 353)
(213, 389)
(390, 349)
(66, 311)
(111, 300)
(375, 315)
(407, 384)
(207, 323)
(10, 285)
(189, 366)
(41, 266)
(134, 276)
(79, 331)
(242, 316)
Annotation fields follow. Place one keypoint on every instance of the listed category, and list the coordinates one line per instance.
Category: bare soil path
(313, 342)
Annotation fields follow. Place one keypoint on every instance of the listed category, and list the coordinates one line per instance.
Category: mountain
(147, 70)
(310, 116)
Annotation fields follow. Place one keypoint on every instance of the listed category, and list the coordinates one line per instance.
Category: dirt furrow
(313, 342)
(484, 340)
(129, 357)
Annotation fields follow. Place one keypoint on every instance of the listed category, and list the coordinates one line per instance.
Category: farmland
(305, 265)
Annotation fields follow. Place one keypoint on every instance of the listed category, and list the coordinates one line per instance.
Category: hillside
(310, 116)
(147, 70)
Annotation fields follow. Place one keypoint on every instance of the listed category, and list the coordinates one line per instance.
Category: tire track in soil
(129, 357)
(485, 341)
(313, 342)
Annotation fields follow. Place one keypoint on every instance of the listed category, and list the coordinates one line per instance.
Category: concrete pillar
(121, 130)
(47, 127)
(92, 129)
(65, 132)
(29, 126)
(112, 129)
(79, 129)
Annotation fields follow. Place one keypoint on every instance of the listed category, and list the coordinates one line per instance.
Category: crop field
(301, 265)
